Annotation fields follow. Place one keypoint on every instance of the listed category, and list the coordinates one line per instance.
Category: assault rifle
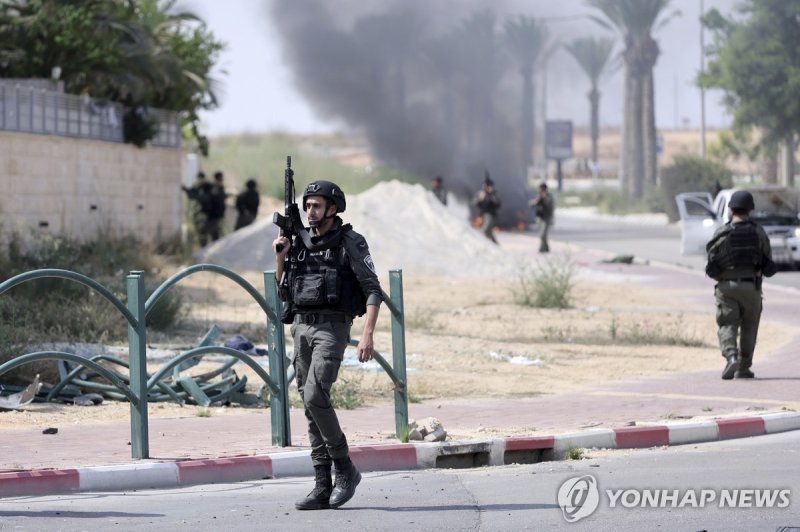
(290, 222)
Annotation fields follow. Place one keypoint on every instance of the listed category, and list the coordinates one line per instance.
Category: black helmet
(326, 189)
(742, 200)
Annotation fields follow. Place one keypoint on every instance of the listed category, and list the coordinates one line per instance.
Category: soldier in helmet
(739, 256)
(488, 203)
(331, 280)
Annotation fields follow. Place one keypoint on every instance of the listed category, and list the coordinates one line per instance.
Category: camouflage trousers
(738, 315)
(544, 229)
(318, 352)
(488, 221)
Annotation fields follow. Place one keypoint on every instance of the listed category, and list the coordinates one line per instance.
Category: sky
(258, 92)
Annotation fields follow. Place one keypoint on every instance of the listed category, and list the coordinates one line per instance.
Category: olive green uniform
(544, 211)
(738, 294)
(320, 339)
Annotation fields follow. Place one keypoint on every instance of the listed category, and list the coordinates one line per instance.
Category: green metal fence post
(137, 357)
(399, 355)
(276, 344)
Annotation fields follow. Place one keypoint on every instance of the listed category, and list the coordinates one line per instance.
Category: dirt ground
(467, 338)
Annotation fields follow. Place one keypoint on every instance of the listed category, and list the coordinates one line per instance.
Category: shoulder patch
(369, 263)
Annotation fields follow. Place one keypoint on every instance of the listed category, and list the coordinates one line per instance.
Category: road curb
(389, 457)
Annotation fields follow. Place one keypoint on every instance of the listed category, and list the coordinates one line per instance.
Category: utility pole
(702, 89)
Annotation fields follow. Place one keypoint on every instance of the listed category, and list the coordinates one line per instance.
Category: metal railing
(136, 386)
(32, 109)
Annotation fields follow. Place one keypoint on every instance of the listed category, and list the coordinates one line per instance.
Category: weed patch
(545, 284)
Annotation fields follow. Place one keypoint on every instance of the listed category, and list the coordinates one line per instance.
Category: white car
(777, 211)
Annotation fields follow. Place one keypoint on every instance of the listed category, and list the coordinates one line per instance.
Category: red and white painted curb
(388, 457)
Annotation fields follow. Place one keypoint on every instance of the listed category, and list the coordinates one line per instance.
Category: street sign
(558, 139)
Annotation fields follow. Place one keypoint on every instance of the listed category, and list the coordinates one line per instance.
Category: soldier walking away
(200, 197)
(544, 206)
(247, 205)
(739, 256)
(487, 204)
(216, 212)
(437, 187)
(327, 280)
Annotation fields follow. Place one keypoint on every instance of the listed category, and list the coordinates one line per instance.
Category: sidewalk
(628, 414)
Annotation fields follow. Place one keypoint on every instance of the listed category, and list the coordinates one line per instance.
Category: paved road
(644, 241)
(516, 497)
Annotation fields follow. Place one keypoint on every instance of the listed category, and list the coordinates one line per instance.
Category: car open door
(698, 221)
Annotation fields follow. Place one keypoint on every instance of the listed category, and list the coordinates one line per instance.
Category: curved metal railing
(139, 383)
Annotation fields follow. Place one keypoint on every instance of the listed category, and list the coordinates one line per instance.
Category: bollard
(137, 358)
(276, 345)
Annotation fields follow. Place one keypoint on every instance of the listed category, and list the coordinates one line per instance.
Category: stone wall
(76, 187)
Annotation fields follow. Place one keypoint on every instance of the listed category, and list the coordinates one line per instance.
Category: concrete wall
(75, 187)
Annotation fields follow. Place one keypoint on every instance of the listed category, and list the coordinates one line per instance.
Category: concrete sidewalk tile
(292, 464)
(597, 438)
(740, 427)
(638, 437)
(390, 457)
(781, 421)
(235, 469)
(693, 432)
(39, 482)
(130, 476)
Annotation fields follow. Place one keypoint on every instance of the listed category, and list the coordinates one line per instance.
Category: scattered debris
(240, 343)
(82, 386)
(50, 430)
(519, 359)
(620, 259)
(429, 429)
(16, 400)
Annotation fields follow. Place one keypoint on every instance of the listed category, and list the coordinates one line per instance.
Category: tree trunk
(594, 120)
(527, 122)
(770, 166)
(625, 135)
(649, 126)
(787, 161)
(636, 138)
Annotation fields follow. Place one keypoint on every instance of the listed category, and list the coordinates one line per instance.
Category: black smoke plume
(430, 83)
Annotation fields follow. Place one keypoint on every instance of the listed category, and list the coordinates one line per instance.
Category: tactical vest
(321, 281)
(739, 249)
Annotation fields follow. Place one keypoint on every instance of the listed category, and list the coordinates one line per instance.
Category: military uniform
(738, 256)
(324, 308)
(329, 280)
(488, 203)
(545, 208)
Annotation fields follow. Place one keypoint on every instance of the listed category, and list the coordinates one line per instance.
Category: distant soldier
(247, 203)
(739, 256)
(437, 187)
(216, 212)
(199, 195)
(544, 206)
(487, 203)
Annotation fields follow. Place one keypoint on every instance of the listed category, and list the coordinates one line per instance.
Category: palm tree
(635, 20)
(592, 54)
(525, 38)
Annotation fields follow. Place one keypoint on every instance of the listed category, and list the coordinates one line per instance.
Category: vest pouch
(331, 286)
(287, 313)
(309, 290)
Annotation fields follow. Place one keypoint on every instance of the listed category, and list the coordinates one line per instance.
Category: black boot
(731, 365)
(347, 478)
(320, 496)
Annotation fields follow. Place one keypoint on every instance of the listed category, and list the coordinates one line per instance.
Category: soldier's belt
(310, 319)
